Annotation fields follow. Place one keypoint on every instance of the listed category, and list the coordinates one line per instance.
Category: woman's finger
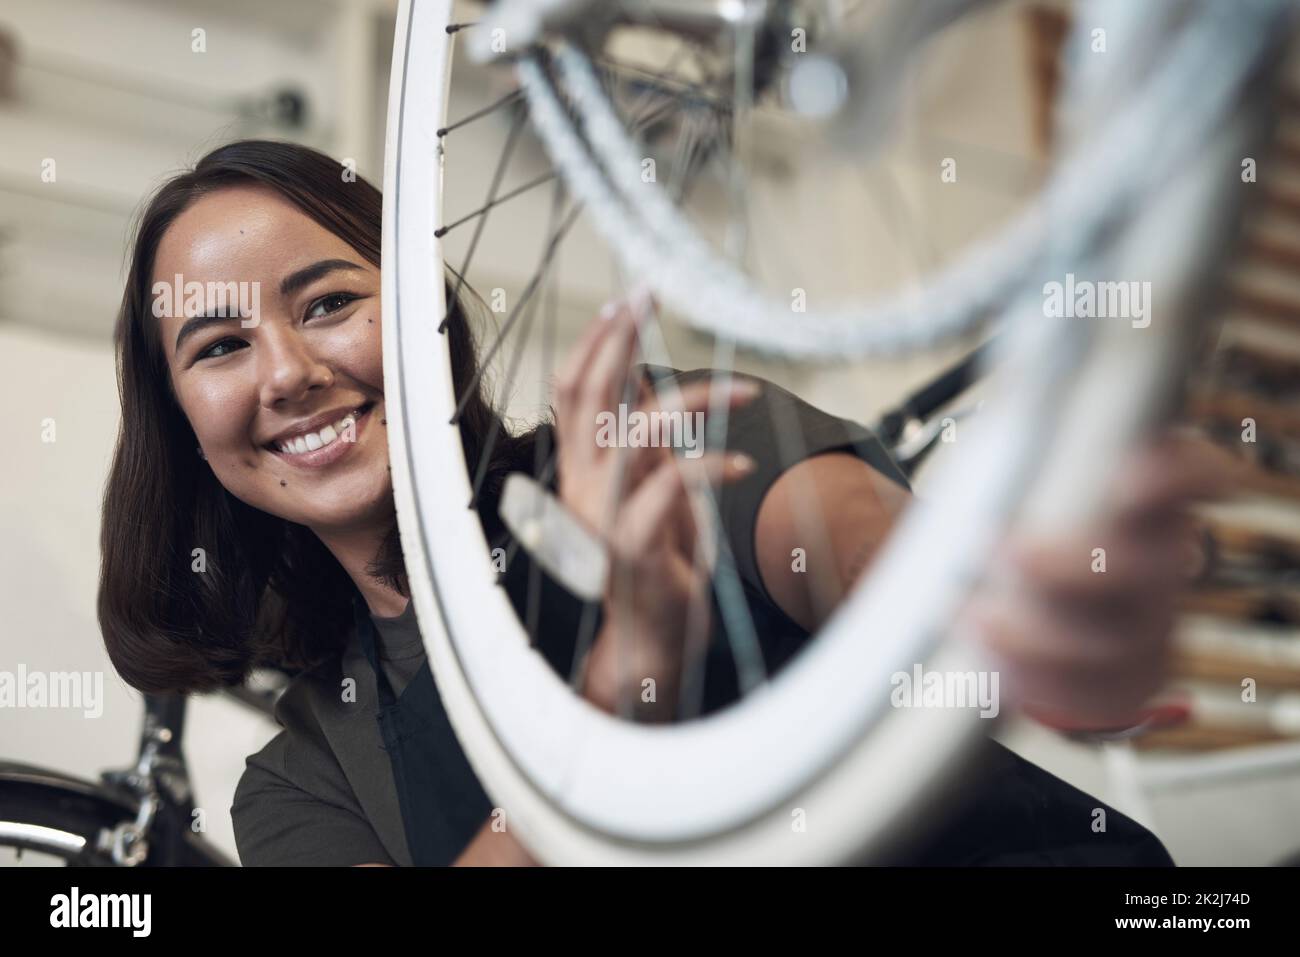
(699, 396)
(598, 385)
(1029, 628)
(1117, 561)
(647, 517)
(578, 401)
(579, 357)
(1069, 661)
(605, 378)
(667, 429)
(1172, 473)
(664, 434)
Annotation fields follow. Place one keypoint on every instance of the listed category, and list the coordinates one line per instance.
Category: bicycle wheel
(53, 819)
(583, 787)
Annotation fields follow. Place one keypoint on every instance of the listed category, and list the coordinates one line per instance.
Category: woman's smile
(323, 439)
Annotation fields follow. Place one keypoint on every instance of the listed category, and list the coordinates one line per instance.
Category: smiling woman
(248, 514)
(275, 519)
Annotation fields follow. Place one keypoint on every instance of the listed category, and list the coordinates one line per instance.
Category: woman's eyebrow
(309, 274)
(198, 323)
(288, 286)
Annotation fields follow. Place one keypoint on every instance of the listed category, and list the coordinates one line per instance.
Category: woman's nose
(289, 369)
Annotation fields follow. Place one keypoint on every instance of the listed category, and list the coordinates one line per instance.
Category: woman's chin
(349, 512)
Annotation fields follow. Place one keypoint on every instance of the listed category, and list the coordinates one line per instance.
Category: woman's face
(305, 367)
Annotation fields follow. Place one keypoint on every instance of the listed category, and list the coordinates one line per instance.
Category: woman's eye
(234, 345)
(328, 304)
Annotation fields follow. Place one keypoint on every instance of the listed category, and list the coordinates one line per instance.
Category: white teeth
(318, 440)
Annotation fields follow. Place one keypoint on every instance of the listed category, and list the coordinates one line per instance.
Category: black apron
(1018, 815)
(442, 802)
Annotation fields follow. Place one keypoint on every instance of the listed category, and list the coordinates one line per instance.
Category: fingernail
(641, 300)
(609, 310)
(743, 463)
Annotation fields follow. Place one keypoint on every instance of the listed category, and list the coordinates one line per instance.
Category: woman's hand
(1085, 648)
(637, 500)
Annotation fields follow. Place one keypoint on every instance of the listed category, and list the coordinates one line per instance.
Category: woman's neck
(354, 549)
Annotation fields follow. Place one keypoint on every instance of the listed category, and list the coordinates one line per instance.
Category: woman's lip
(328, 454)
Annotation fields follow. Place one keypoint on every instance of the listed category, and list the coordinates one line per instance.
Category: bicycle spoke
(665, 84)
(640, 113)
(494, 430)
(518, 191)
(524, 299)
(511, 140)
(509, 98)
(743, 95)
(685, 148)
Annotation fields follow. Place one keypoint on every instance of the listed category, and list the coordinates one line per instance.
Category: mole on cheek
(283, 483)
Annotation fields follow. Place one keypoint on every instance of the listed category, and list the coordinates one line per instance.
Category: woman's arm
(488, 848)
(833, 512)
(491, 848)
(1082, 648)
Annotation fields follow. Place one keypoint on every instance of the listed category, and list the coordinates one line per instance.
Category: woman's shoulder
(306, 686)
(295, 803)
(300, 711)
(314, 707)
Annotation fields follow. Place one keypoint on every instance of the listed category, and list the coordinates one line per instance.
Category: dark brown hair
(271, 593)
